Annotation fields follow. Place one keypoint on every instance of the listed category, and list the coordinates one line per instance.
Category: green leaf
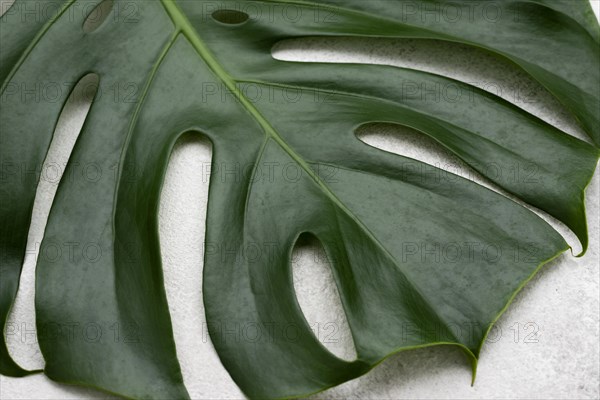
(292, 164)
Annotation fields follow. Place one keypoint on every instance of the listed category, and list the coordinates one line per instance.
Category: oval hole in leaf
(97, 16)
(419, 146)
(22, 316)
(464, 63)
(230, 17)
(319, 299)
(182, 225)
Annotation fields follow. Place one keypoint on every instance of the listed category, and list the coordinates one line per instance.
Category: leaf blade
(361, 234)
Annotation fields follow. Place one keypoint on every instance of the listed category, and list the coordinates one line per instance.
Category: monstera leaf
(284, 138)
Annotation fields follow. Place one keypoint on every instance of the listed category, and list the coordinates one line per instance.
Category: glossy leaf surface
(288, 162)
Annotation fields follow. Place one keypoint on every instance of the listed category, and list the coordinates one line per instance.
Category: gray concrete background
(544, 347)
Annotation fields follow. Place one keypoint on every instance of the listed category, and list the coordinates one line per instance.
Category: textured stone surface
(545, 346)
